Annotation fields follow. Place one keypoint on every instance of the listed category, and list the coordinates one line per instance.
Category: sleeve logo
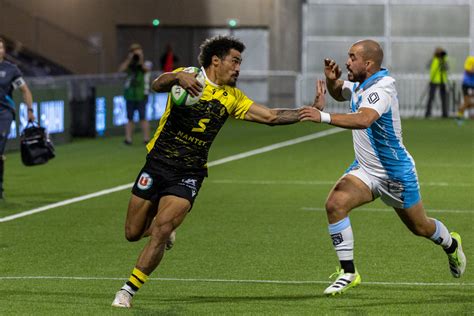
(373, 98)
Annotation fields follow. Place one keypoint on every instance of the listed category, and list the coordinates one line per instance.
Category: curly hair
(219, 46)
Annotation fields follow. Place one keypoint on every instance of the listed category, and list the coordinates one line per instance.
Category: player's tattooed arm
(285, 116)
(261, 114)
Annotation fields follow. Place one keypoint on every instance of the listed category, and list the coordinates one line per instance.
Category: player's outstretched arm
(333, 72)
(186, 80)
(261, 114)
(359, 120)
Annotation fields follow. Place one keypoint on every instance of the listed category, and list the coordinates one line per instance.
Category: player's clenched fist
(331, 69)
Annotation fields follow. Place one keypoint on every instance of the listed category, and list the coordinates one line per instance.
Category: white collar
(207, 78)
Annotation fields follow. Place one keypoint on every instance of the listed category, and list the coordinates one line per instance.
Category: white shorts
(398, 194)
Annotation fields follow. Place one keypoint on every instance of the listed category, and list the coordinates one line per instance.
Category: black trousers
(444, 99)
(6, 118)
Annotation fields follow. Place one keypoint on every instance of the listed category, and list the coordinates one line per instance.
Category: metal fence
(278, 89)
(412, 94)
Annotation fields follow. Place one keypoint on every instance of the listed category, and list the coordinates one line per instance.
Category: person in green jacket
(438, 80)
(135, 91)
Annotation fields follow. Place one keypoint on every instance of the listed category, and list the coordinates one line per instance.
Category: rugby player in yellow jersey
(168, 184)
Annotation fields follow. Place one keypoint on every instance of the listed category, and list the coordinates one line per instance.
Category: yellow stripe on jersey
(163, 119)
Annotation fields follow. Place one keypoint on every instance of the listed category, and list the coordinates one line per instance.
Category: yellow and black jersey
(185, 133)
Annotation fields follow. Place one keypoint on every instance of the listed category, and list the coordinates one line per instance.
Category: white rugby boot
(122, 299)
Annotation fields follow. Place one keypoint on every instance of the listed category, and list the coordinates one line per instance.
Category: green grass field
(257, 219)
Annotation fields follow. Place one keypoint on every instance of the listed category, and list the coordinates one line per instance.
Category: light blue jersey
(379, 149)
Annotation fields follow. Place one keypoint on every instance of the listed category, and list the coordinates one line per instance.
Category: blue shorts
(139, 106)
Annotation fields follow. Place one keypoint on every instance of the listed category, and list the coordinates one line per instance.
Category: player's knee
(161, 233)
(333, 206)
(132, 234)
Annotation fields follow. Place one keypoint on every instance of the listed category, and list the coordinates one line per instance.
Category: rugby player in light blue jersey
(382, 166)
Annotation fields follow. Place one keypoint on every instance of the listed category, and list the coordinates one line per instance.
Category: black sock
(348, 266)
(452, 248)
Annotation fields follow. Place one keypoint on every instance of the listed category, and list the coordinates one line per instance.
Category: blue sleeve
(16, 72)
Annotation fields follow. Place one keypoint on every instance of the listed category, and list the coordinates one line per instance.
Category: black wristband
(30, 110)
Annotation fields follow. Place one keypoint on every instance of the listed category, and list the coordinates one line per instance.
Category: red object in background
(169, 61)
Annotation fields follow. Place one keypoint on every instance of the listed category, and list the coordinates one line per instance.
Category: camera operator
(438, 79)
(135, 91)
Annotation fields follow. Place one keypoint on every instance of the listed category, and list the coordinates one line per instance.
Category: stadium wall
(82, 35)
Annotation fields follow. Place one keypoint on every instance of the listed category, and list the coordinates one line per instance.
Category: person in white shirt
(382, 166)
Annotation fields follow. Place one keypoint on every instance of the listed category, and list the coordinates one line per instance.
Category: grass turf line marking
(317, 182)
(246, 154)
(391, 210)
(224, 280)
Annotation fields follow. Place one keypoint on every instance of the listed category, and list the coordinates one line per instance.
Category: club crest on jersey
(145, 181)
(373, 98)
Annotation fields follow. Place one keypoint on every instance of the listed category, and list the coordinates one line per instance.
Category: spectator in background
(467, 86)
(168, 60)
(135, 92)
(438, 80)
(10, 79)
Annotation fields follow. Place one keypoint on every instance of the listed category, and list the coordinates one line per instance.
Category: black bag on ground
(36, 147)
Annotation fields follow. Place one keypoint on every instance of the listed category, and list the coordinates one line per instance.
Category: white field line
(210, 164)
(391, 210)
(317, 182)
(224, 280)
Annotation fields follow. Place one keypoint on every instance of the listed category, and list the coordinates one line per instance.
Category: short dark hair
(3, 42)
(219, 46)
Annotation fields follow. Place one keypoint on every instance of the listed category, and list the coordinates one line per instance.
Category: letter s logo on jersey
(145, 181)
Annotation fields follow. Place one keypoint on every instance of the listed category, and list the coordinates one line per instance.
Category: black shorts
(467, 90)
(156, 180)
(133, 106)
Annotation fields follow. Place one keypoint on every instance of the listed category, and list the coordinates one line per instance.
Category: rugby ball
(180, 96)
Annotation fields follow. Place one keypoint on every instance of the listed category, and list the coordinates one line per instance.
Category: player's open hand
(309, 113)
(189, 82)
(320, 98)
(332, 71)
